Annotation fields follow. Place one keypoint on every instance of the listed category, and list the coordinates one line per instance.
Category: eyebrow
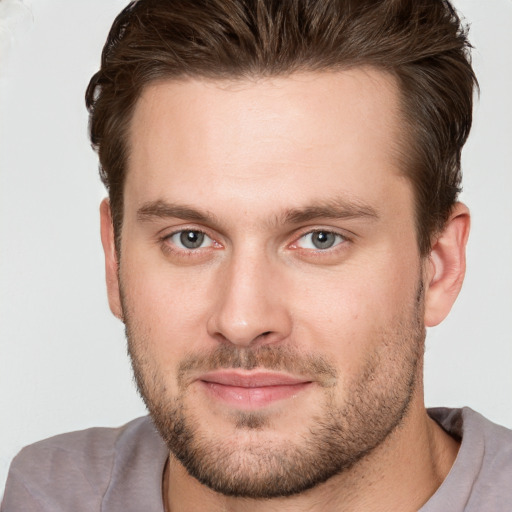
(335, 209)
(163, 210)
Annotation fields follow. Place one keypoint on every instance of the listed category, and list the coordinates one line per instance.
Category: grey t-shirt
(120, 470)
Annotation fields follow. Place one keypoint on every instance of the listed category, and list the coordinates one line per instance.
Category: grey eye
(318, 240)
(191, 239)
(323, 239)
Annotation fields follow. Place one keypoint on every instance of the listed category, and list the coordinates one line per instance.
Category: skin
(248, 156)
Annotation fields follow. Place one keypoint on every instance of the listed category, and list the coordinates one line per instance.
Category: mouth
(251, 390)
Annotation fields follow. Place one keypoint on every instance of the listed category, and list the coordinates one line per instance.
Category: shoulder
(481, 477)
(74, 471)
(478, 433)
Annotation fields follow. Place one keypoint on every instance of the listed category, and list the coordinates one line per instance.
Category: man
(282, 225)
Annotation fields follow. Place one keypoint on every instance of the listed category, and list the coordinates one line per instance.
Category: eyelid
(166, 239)
(175, 237)
(344, 238)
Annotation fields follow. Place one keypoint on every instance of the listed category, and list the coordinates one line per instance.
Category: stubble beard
(338, 437)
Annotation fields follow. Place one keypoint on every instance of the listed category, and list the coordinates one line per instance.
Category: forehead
(290, 137)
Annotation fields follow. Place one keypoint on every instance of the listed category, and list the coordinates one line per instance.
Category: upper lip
(251, 379)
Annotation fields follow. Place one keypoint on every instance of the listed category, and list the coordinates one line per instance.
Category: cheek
(345, 314)
(166, 309)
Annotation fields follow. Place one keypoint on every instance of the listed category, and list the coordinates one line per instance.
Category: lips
(251, 390)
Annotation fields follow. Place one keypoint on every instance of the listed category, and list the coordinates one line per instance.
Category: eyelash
(169, 247)
(342, 240)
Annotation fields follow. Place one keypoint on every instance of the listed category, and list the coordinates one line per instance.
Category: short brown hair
(421, 42)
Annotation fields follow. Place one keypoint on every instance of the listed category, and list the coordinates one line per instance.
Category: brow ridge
(162, 209)
(335, 209)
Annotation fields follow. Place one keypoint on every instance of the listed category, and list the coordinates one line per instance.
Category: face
(270, 279)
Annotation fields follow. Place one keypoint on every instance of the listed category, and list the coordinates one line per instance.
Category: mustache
(275, 358)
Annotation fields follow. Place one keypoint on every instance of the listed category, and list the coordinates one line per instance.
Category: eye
(190, 239)
(320, 240)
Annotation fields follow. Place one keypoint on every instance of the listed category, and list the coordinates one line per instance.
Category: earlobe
(446, 266)
(111, 263)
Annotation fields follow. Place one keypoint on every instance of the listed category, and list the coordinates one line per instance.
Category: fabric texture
(120, 470)
(481, 477)
(98, 469)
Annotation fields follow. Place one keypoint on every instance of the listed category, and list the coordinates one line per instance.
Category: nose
(251, 306)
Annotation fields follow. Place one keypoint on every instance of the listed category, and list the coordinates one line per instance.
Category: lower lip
(253, 397)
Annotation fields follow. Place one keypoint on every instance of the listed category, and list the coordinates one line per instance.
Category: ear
(111, 263)
(446, 266)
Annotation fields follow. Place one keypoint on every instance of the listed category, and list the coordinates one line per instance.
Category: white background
(63, 363)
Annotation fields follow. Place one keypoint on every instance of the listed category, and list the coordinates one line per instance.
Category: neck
(399, 475)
